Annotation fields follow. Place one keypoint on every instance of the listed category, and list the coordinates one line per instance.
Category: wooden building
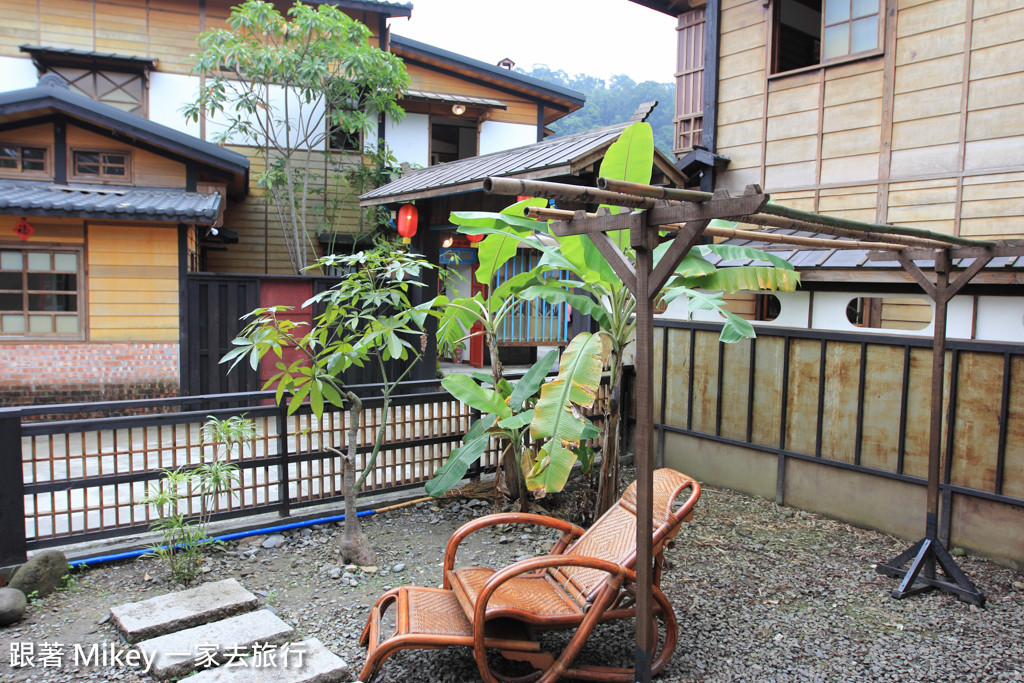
(906, 112)
(177, 289)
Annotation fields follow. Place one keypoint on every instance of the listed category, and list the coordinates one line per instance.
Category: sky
(601, 38)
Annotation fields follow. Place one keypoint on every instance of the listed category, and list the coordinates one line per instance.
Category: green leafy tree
(367, 317)
(595, 289)
(288, 85)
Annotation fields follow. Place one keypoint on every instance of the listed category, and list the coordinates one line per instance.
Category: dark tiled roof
(41, 198)
(386, 7)
(27, 103)
(48, 53)
(412, 48)
(545, 159)
(838, 259)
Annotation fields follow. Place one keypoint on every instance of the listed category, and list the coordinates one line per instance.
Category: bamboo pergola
(687, 213)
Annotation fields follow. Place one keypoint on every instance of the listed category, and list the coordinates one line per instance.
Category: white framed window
(40, 292)
(807, 33)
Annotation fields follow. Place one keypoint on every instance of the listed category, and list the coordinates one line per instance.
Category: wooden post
(12, 504)
(641, 241)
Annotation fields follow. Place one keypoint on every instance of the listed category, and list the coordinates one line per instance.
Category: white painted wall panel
(409, 139)
(496, 136)
(1000, 318)
(168, 93)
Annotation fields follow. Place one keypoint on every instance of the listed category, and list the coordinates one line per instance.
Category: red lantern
(408, 217)
(474, 239)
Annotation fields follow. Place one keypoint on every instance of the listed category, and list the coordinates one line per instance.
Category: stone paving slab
(184, 609)
(307, 661)
(179, 653)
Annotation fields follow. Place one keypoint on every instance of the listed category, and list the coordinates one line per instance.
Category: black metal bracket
(920, 576)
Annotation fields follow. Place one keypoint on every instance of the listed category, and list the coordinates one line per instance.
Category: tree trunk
(608, 483)
(354, 546)
(511, 472)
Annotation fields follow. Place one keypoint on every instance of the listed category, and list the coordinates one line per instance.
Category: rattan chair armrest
(569, 532)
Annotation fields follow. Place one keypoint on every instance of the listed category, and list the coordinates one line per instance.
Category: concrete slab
(307, 661)
(184, 609)
(180, 653)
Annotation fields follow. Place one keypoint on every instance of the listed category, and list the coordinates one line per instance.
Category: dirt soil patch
(762, 593)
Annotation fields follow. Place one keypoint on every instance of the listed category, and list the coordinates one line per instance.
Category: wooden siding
(928, 134)
(132, 283)
(148, 169)
(261, 247)
(519, 110)
(161, 29)
(47, 230)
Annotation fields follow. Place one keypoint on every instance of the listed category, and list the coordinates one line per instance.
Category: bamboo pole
(790, 224)
(656, 192)
(735, 233)
(567, 193)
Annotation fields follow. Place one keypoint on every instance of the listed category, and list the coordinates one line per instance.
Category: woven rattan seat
(587, 578)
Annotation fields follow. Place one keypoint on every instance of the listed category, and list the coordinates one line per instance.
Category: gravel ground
(763, 593)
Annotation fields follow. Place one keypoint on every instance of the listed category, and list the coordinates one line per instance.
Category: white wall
(496, 136)
(409, 139)
(1000, 318)
(18, 73)
(168, 93)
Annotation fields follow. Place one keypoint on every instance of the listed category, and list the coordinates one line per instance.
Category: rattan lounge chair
(586, 579)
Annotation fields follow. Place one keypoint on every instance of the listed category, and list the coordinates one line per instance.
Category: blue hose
(226, 537)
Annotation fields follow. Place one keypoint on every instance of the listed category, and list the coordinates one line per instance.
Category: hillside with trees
(611, 101)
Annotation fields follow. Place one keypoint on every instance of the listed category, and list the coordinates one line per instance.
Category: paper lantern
(408, 218)
(474, 239)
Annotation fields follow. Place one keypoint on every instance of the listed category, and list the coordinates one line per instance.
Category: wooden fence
(81, 479)
(766, 415)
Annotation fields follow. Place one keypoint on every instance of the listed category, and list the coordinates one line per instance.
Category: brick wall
(44, 373)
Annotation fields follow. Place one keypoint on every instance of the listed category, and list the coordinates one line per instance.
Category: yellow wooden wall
(131, 275)
(132, 283)
(929, 134)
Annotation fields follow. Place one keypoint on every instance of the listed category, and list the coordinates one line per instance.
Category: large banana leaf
(556, 416)
(555, 294)
(469, 392)
(474, 443)
(744, 278)
(735, 327)
(457, 317)
(529, 383)
(496, 249)
(630, 158)
(735, 252)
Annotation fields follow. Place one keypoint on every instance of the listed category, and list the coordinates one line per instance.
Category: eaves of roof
(388, 9)
(545, 159)
(42, 198)
(32, 102)
(564, 98)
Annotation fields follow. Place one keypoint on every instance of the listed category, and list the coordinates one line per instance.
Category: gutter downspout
(712, 30)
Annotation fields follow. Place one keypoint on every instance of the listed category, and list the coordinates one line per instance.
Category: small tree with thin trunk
(367, 318)
(289, 85)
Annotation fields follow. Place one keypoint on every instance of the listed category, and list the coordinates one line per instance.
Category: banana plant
(531, 410)
(594, 289)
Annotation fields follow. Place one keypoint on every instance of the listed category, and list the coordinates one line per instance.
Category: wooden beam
(563, 192)
(681, 245)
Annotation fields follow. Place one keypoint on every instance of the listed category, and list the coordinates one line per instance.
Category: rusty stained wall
(793, 422)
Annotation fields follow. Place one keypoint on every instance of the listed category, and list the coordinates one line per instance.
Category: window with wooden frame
(111, 166)
(40, 292)
(24, 159)
(339, 137)
(124, 90)
(807, 33)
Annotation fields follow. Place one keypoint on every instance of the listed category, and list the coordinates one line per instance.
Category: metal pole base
(920, 575)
